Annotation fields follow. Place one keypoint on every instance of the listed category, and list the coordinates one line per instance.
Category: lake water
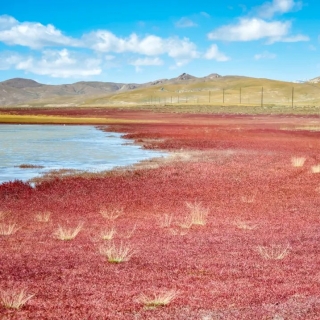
(63, 147)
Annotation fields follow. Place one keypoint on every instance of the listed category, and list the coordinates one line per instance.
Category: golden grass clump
(112, 213)
(197, 215)
(166, 220)
(274, 252)
(248, 199)
(66, 234)
(298, 161)
(7, 229)
(108, 234)
(315, 169)
(14, 299)
(159, 299)
(117, 254)
(43, 216)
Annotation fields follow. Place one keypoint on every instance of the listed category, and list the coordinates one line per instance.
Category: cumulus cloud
(213, 53)
(32, 34)
(265, 55)
(151, 45)
(59, 64)
(9, 60)
(269, 9)
(185, 23)
(248, 29)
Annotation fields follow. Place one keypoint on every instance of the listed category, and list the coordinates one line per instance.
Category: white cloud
(249, 29)
(151, 45)
(9, 60)
(185, 23)
(213, 53)
(265, 55)
(59, 64)
(32, 34)
(269, 9)
(296, 38)
(138, 63)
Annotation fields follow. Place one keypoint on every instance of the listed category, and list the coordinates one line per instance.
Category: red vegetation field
(238, 168)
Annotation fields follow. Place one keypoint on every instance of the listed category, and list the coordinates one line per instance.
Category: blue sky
(65, 41)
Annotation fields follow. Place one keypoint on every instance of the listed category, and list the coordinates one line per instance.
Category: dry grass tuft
(166, 220)
(248, 199)
(162, 298)
(130, 233)
(43, 216)
(245, 225)
(298, 161)
(117, 254)
(315, 169)
(112, 213)
(197, 216)
(66, 234)
(7, 229)
(108, 234)
(274, 252)
(14, 299)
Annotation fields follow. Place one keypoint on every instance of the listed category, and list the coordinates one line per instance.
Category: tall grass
(66, 234)
(117, 254)
(14, 299)
(7, 229)
(197, 215)
(298, 161)
(274, 251)
(166, 220)
(108, 234)
(43, 216)
(161, 298)
(112, 213)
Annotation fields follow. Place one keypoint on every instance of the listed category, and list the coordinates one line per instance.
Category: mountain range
(19, 91)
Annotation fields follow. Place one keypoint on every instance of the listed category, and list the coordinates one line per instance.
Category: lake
(63, 147)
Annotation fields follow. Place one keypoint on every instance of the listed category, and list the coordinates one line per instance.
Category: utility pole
(262, 97)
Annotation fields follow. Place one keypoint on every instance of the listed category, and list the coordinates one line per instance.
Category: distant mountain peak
(213, 76)
(185, 76)
(21, 83)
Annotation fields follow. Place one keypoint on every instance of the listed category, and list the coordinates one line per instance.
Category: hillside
(182, 90)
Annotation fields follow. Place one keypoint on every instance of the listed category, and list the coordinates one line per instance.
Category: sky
(65, 41)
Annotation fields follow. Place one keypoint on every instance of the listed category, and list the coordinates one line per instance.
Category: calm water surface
(63, 147)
